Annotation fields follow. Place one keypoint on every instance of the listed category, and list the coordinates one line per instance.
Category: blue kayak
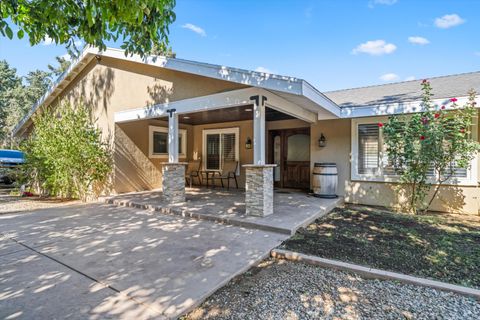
(11, 158)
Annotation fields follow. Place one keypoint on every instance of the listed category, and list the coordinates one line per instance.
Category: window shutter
(228, 140)
(368, 148)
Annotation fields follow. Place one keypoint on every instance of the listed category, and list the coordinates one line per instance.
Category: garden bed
(437, 246)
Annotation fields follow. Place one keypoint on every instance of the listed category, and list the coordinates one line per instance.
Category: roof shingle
(442, 87)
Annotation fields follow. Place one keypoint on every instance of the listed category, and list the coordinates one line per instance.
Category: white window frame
(378, 176)
(234, 130)
(152, 129)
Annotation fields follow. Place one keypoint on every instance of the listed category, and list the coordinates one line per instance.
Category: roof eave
(56, 88)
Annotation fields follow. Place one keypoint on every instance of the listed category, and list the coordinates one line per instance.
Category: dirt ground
(444, 247)
(10, 203)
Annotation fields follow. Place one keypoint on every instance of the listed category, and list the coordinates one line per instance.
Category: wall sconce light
(322, 142)
(248, 143)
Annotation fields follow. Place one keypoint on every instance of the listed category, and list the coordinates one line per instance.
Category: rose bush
(427, 148)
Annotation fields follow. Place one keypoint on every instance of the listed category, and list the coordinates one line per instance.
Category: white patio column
(258, 129)
(259, 176)
(173, 172)
(172, 136)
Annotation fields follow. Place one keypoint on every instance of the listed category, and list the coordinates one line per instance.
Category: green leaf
(141, 21)
(20, 34)
(9, 32)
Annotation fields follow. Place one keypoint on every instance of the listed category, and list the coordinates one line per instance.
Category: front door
(290, 150)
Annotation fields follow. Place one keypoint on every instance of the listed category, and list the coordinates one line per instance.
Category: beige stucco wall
(459, 199)
(109, 85)
(134, 169)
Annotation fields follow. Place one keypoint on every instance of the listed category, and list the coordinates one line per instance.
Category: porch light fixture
(186, 117)
(322, 142)
(248, 109)
(248, 143)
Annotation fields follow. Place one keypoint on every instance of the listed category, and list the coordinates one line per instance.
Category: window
(368, 148)
(220, 145)
(370, 161)
(158, 142)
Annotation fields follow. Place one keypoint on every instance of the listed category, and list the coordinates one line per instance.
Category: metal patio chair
(228, 172)
(193, 171)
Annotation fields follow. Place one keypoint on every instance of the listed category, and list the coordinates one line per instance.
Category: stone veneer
(259, 189)
(173, 182)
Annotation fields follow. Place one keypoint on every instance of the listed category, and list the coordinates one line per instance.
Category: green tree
(63, 62)
(67, 157)
(427, 148)
(141, 24)
(17, 97)
(10, 84)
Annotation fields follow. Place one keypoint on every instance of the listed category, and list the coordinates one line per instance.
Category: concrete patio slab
(168, 263)
(292, 209)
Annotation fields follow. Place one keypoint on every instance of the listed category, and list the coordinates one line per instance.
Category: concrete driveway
(99, 261)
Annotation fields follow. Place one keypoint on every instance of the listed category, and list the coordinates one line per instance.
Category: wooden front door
(290, 150)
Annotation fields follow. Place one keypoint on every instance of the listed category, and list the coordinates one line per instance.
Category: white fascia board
(399, 108)
(222, 100)
(280, 104)
(246, 77)
(320, 99)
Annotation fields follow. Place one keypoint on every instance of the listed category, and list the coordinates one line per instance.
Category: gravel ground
(12, 204)
(288, 290)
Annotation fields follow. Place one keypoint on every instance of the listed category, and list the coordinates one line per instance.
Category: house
(146, 107)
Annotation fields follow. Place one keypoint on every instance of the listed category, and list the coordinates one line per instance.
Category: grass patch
(438, 246)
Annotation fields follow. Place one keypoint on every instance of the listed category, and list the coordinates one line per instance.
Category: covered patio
(292, 209)
(235, 116)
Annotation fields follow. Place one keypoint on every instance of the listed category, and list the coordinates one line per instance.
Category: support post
(172, 136)
(258, 129)
(173, 172)
(259, 189)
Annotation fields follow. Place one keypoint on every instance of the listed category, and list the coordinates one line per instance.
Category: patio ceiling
(239, 113)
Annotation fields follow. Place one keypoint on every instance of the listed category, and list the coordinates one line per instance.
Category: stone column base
(259, 189)
(173, 182)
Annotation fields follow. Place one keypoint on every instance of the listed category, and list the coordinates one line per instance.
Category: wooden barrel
(325, 180)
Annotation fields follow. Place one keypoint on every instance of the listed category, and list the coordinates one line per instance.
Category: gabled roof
(293, 89)
(443, 87)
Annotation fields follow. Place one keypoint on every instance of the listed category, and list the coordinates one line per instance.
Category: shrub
(426, 148)
(65, 154)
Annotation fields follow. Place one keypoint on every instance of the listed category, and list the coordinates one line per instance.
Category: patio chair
(193, 171)
(229, 172)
